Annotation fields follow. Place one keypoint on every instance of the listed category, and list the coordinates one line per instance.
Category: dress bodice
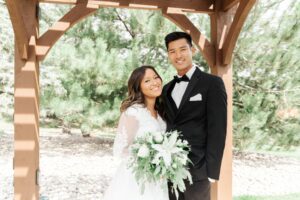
(135, 121)
(146, 122)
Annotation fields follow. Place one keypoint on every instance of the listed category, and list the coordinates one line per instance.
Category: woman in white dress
(141, 113)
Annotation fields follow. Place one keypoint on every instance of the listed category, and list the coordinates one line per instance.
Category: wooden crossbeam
(49, 38)
(235, 29)
(61, 1)
(181, 20)
(203, 6)
(19, 28)
(227, 4)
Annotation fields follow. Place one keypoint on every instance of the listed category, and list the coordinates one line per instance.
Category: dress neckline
(149, 112)
(158, 118)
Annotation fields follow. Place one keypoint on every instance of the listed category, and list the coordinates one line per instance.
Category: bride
(141, 113)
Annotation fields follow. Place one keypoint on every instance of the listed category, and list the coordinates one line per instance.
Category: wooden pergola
(226, 18)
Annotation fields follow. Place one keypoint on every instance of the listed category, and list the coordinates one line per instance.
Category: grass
(295, 196)
(293, 153)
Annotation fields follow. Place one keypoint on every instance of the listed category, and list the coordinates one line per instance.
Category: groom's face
(180, 54)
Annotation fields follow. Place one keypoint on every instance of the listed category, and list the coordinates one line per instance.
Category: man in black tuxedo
(196, 105)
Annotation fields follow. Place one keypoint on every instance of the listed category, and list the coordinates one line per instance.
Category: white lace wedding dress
(134, 122)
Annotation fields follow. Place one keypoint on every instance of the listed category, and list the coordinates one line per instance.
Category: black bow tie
(183, 78)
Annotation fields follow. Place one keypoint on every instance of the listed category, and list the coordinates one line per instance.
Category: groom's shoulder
(167, 84)
(209, 77)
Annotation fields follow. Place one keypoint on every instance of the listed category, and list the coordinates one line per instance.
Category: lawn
(284, 197)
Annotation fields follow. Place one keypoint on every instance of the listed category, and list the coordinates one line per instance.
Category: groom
(196, 105)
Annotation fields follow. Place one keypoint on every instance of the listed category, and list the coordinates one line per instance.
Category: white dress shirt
(179, 88)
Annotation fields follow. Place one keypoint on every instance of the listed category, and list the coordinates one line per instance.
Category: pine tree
(94, 60)
(6, 65)
(267, 77)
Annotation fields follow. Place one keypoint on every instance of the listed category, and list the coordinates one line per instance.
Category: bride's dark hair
(135, 95)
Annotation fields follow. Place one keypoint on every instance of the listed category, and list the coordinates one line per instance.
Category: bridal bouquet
(158, 156)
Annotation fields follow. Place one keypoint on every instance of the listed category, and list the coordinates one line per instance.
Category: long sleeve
(216, 125)
(126, 131)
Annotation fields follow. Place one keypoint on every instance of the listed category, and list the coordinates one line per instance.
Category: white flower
(183, 160)
(174, 165)
(149, 137)
(158, 137)
(166, 149)
(143, 151)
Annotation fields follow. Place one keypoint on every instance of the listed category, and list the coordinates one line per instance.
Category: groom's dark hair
(176, 36)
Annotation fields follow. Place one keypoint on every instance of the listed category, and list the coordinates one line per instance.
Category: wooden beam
(49, 38)
(181, 20)
(61, 1)
(18, 24)
(235, 29)
(227, 4)
(26, 110)
(205, 6)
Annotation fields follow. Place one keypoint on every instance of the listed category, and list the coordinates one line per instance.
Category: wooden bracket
(235, 29)
(49, 38)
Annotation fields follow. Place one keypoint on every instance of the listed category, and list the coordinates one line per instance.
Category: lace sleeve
(127, 128)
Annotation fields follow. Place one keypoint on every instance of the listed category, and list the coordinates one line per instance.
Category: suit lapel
(189, 88)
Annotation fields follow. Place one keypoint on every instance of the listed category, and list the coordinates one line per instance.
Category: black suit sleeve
(216, 126)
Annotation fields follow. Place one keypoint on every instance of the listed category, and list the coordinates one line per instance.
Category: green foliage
(267, 77)
(94, 60)
(6, 65)
(281, 197)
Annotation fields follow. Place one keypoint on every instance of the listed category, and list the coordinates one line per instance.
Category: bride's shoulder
(134, 110)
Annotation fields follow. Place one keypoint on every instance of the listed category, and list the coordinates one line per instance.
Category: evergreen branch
(148, 53)
(259, 89)
(238, 104)
(9, 93)
(96, 99)
(125, 25)
(255, 16)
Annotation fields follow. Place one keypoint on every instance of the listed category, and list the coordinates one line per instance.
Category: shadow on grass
(295, 196)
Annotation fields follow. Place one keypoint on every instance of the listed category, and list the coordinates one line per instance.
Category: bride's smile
(151, 85)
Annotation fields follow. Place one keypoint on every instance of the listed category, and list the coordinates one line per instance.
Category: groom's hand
(211, 180)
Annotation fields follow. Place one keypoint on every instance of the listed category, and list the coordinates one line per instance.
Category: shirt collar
(190, 73)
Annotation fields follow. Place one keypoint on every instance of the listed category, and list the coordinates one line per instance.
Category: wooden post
(26, 116)
(220, 23)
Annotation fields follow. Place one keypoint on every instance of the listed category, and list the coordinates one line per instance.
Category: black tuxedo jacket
(202, 122)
